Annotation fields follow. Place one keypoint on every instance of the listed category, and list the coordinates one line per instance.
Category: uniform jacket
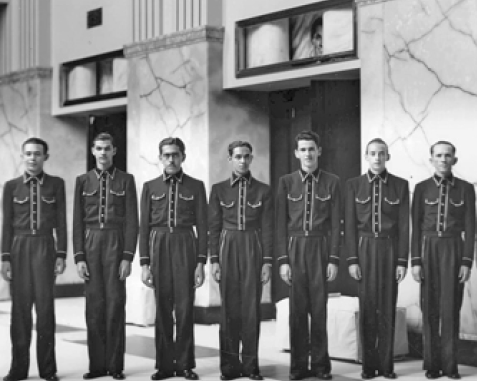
(191, 210)
(391, 216)
(120, 212)
(325, 210)
(459, 214)
(224, 213)
(17, 210)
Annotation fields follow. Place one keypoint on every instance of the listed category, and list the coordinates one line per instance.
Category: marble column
(175, 89)
(25, 111)
(419, 85)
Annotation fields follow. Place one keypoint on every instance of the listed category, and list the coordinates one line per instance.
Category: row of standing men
(177, 228)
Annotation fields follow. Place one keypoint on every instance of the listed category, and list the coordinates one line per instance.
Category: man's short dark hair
(379, 141)
(170, 141)
(443, 142)
(238, 143)
(314, 27)
(36, 141)
(103, 136)
(308, 135)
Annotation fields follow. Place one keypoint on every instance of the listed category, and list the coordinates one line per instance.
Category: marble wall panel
(419, 85)
(177, 91)
(18, 102)
(167, 96)
(25, 104)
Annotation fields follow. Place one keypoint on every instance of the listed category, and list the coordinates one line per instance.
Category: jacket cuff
(402, 262)
(268, 261)
(144, 261)
(416, 261)
(79, 257)
(128, 256)
(467, 262)
(334, 260)
(5, 257)
(201, 258)
(283, 260)
(60, 254)
(352, 261)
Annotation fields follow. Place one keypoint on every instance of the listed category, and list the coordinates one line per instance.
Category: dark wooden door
(335, 117)
(114, 124)
(332, 109)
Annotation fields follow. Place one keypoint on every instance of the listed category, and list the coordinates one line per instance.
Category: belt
(33, 232)
(377, 235)
(171, 229)
(452, 234)
(101, 226)
(307, 233)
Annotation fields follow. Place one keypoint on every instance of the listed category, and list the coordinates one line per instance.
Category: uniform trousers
(308, 258)
(105, 300)
(377, 302)
(33, 260)
(241, 292)
(173, 264)
(441, 300)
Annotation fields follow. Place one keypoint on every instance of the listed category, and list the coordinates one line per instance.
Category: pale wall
(175, 89)
(71, 39)
(419, 85)
(25, 112)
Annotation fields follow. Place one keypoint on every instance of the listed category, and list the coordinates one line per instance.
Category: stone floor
(72, 354)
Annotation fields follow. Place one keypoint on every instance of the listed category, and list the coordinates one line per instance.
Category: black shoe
(53, 377)
(298, 376)
(390, 375)
(91, 375)
(118, 375)
(255, 376)
(188, 374)
(324, 376)
(11, 377)
(454, 376)
(162, 375)
(367, 375)
(227, 377)
(433, 374)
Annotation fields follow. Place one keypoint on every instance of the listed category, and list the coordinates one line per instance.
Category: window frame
(67, 66)
(240, 40)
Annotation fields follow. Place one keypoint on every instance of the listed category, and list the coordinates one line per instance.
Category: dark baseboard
(466, 355)
(211, 315)
(71, 290)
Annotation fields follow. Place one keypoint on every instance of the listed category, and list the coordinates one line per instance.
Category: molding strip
(26, 75)
(175, 40)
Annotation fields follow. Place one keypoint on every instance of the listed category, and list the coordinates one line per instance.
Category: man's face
(33, 158)
(241, 159)
(103, 151)
(171, 158)
(307, 152)
(443, 159)
(376, 156)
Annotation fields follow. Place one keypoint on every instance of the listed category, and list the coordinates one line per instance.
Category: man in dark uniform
(443, 221)
(308, 235)
(105, 228)
(173, 258)
(33, 206)
(241, 231)
(377, 238)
